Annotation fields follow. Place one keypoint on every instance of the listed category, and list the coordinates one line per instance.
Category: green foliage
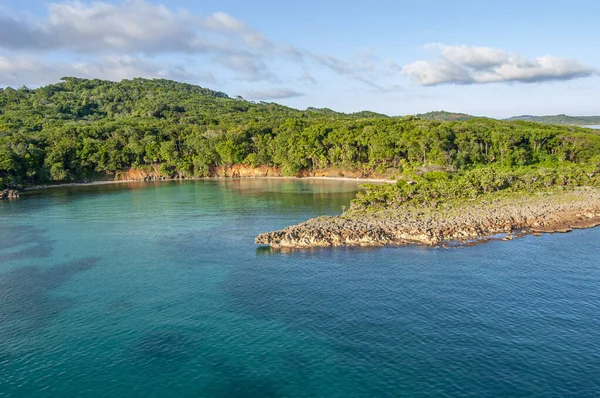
(444, 116)
(79, 128)
(434, 188)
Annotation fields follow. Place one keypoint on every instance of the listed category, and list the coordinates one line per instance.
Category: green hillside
(85, 129)
(444, 116)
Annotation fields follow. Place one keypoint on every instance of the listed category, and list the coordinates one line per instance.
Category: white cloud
(480, 65)
(221, 22)
(142, 29)
(138, 27)
(271, 94)
(131, 26)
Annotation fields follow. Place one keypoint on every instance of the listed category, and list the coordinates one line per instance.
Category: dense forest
(83, 129)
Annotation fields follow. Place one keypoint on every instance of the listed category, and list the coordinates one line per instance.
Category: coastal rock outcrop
(9, 194)
(462, 224)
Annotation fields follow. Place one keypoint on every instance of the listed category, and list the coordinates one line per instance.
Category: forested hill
(444, 116)
(560, 119)
(83, 129)
(552, 119)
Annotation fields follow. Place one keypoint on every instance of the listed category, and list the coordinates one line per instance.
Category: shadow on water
(6, 360)
(241, 386)
(17, 236)
(25, 301)
(234, 380)
(264, 251)
(22, 242)
(170, 351)
(164, 350)
(301, 366)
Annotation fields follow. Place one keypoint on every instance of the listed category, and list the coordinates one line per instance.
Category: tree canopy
(82, 129)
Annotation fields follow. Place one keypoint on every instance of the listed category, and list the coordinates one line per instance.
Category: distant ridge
(562, 119)
(331, 112)
(369, 114)
(444, 116)
(559, 119)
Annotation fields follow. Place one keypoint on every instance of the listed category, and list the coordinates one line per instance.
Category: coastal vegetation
(82, 129)
(438, 187)
(444, 116)
(492, 216)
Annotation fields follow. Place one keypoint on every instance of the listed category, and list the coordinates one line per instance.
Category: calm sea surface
(159, 291)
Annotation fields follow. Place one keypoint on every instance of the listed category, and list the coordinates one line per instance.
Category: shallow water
(158, 290)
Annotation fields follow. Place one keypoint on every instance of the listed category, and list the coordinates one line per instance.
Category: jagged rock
(467, 224)
(9, 194)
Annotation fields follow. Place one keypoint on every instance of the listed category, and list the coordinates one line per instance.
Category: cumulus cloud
(271, 94)
(224, 23)
(132, 26)
(140, 28)
(31, 71)
(480, 65)
(123, 39)
(143, 29)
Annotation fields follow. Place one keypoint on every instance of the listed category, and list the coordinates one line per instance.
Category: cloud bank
(481, 65)
(124, 39)
(137, 38)
(131, 26)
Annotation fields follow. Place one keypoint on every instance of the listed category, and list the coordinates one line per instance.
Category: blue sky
(486, 58)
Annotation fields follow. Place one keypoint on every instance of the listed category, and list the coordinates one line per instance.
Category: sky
(489, 58)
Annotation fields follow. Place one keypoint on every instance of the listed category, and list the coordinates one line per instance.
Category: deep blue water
(159, 291)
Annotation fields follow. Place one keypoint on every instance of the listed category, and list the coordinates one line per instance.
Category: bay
(158, 290)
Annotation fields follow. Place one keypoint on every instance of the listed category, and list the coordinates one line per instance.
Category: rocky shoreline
(9, 194)
(465, 223)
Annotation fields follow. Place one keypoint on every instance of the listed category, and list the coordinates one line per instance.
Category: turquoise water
(593, 127)
(158, 290)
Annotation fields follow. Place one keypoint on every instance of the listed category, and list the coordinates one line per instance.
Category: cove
(158, 290)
